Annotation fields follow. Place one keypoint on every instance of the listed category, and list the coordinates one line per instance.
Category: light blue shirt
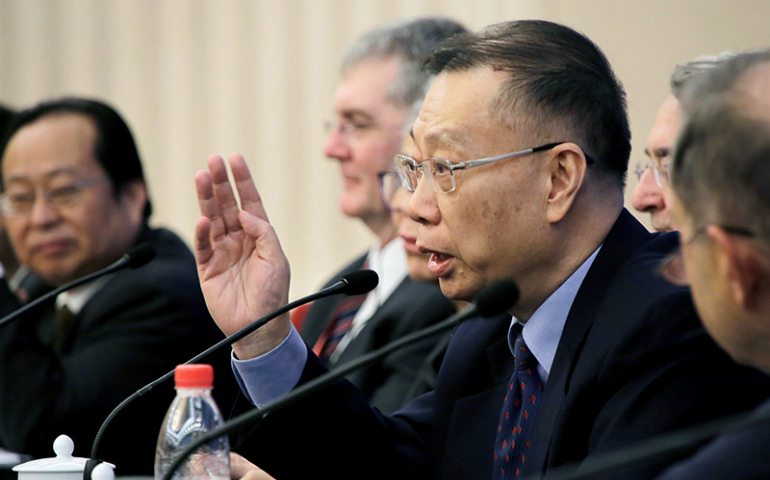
(272, 375)
(265, 378)
(543, 330)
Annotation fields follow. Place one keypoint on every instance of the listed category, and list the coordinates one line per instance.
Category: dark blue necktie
(522, 401)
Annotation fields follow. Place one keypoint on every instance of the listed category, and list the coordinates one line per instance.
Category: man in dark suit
(25, 285)
(75, 200)
(380, 92)
(520, 153)
(721, 203)
(650, 193)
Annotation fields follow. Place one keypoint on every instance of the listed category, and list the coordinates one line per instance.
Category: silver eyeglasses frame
(440, 172)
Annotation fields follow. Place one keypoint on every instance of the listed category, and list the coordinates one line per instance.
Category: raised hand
(243, 271)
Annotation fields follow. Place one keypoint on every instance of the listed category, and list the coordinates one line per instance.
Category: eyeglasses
(660, 170)
(672, 267)
(440, 172)
(21, 203)
(353, 131)
(390, 184)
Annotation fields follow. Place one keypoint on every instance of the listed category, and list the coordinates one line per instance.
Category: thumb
(267, 243)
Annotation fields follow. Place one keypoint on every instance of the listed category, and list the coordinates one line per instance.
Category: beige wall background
(196, 77)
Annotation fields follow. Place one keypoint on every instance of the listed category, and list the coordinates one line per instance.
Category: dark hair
(114, 147)
(721, 167)
(411, 41)
(5, 118)
(559, 81)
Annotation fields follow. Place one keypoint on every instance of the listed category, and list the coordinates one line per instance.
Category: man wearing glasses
(381, 90)
(650, 193)
(74, 200)
(721, 204)
(600, 350)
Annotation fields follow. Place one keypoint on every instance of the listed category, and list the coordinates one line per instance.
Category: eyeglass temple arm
(473, 163)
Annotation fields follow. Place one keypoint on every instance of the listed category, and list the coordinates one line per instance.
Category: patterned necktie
(340, 323)
(522, 402)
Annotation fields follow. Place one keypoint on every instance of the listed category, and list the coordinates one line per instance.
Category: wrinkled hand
(242, 469)
(243, 271)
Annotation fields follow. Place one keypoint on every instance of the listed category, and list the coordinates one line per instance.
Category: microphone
(493, 300)
(354, 283)
(134, 258)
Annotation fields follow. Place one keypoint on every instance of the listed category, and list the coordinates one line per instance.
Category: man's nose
(337, 144)
(647, 194)
(42, 213)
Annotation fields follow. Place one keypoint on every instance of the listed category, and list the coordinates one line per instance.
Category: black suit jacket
(633, 361)
(413, 305)
(137, 327)
(740, 454)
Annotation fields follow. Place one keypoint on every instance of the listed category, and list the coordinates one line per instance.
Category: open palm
(243, 271)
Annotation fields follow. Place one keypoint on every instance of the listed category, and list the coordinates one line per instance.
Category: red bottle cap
(194, 376)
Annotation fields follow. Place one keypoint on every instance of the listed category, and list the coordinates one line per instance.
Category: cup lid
(64, 462)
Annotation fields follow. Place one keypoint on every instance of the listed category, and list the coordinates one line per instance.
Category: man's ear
(747, 268)
(568, 170)
(133, 197)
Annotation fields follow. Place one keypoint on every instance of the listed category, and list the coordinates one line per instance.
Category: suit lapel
(320, 311)
(371, 336)
(626, 236)
(477, 387)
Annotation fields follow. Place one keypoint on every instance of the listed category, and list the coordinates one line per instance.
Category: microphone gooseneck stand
(492, 301)
(355, 283)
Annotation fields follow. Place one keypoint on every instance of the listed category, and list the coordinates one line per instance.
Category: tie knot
(522, 355)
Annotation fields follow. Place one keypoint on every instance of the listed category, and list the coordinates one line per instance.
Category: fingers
(268, 245)
(223, 191)
(247, 191)
(207, 203)
(240, 468)
(203, 247)
(257, 475)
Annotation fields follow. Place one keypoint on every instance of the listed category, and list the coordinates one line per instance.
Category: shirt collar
(389, 262)
(543, 330)
(76, 298)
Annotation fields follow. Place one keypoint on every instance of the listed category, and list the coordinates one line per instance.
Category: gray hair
(685, 72)
(722, 80)
(721, 168)
(412, 42)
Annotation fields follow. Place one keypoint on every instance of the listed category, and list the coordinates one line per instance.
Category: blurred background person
(380, 93)
(650, 193)
(429, 353)
(22, 283)
(75, 200)
(721, 204)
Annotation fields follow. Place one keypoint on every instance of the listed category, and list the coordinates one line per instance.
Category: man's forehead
(456, 104)
(439, 136)
(53, 145)
(664, 128)
(364, 86)
(53, 172)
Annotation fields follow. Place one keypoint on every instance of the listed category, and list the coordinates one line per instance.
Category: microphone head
(360, 281)
(139, 255)
(497, 298)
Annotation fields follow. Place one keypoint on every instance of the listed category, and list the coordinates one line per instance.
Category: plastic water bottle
(192, 414)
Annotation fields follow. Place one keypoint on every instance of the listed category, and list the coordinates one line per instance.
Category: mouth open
(440, 264)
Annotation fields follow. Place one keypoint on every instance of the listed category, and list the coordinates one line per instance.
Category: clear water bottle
(192, 414)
